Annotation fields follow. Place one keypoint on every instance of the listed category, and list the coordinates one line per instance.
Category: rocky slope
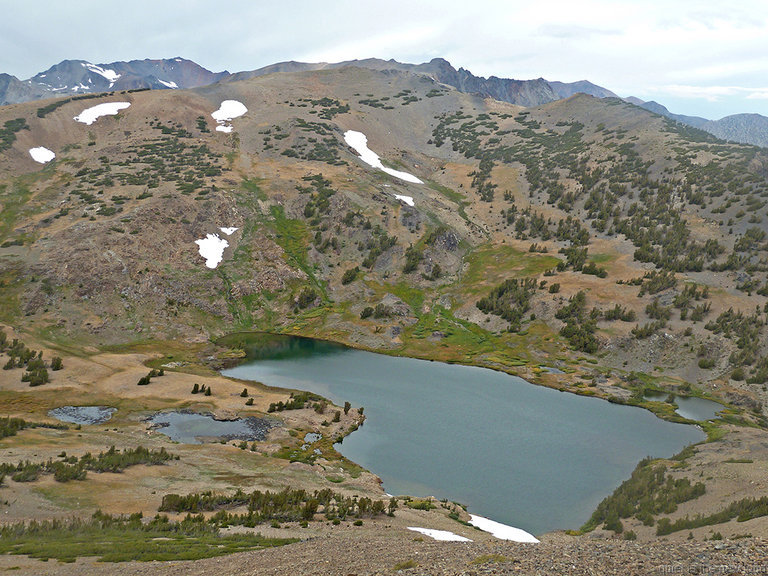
(367, 554)
(586, 233)
(750, 128)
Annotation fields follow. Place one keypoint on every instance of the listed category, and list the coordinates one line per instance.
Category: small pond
(193, 428)
(690, 407)
(84, 415)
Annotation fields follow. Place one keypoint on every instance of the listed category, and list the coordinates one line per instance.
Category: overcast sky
(699, 57)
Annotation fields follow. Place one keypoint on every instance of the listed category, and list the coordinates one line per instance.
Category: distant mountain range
(74, 77)
(744, 128)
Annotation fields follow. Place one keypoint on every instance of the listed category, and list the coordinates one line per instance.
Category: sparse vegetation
(72, 468)
(126, 538)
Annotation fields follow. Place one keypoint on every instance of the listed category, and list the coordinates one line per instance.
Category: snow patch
(502, 531)
(442, 535)
(90, 115)
(168, 84)
(110, 75)
(229, 231)
(228, 110)
(407, 199)
(359, 142)
(212, 249)
(41, 154)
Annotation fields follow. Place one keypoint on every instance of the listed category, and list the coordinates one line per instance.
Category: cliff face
(521, 92)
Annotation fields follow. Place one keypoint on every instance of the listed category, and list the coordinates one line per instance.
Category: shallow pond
(193, 428)
(691, 407)
(524, 455)
(84, 415)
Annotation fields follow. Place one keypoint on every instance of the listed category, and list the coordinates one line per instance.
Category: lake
(521, 454)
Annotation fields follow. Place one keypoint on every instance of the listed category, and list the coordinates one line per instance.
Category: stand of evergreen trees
(288, 505)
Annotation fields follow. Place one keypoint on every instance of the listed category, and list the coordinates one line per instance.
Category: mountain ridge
(72, 77)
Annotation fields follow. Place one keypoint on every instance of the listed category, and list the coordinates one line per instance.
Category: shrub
(706, 363)
(306, 298)
(413, 256)
(382, 311)
(367, 312)
(350, 275)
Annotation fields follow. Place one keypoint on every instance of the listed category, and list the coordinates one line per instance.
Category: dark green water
(520, 454)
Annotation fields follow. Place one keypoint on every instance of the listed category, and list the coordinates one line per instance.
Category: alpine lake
(524, 455)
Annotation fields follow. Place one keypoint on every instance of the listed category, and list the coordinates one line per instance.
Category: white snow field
(212, 249)
(502, 531)
(41, 154)
(171, 84)
(228, 110)
(407, 199)
(229, 231)
(442, 535)
(359, 142)
(90, 115)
